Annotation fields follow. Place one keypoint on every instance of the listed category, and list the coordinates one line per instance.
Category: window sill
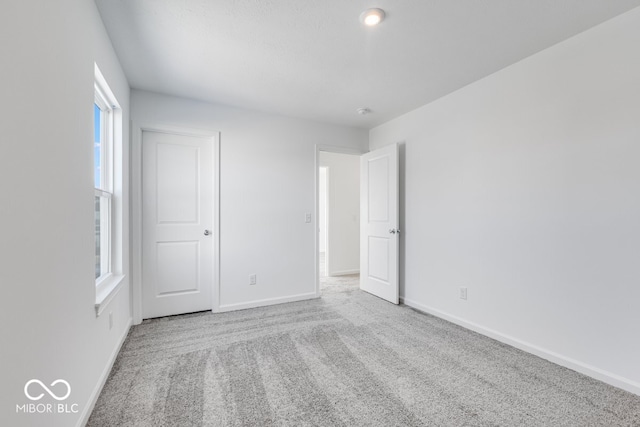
(106, 291)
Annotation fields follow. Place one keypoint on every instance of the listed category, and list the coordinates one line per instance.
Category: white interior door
(379, 233)
(177, 223)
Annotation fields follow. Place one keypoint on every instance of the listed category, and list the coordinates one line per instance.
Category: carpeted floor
(346, 359)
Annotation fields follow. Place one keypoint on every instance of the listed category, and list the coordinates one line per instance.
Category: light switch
(307, 218)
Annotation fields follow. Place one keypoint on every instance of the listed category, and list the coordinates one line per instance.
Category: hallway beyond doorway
(347, 283)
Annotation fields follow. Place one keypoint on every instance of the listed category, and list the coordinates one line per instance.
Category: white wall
(343, 214)
(525, 188)
(48, 322)
(322, 209)
(267, 185)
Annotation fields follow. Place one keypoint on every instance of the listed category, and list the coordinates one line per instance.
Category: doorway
(374, 208)
(338, 222)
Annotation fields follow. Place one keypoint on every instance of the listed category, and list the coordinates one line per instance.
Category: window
(103, 153)
(109, 193)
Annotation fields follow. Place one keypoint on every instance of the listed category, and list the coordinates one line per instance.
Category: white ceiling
(313, 59)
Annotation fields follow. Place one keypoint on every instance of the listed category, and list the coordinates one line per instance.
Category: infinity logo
(52, 394)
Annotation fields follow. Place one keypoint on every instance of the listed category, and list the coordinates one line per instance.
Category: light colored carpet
(329, 285)
(346, 359)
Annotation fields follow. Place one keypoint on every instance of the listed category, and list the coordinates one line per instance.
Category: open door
(379, 217)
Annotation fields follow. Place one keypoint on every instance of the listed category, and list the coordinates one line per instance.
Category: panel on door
(379, 232)
(177, 214)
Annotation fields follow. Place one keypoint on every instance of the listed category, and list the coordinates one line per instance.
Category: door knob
(207, 232)
(392, 230)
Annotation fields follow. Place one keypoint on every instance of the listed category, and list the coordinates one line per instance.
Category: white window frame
(111, 188)
(106, 184)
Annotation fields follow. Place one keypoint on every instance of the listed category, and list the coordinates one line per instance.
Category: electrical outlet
(110, 320)
(253, 279)
(463, 293)
(307, 218)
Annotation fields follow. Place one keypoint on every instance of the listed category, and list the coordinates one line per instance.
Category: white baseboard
(567, 362)
(266, 302)
(344, 272)
(86, 413)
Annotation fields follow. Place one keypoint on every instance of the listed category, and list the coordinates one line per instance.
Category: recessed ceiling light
(363, 111)
(371, 17)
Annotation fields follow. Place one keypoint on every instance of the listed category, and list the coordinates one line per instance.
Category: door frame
(137, 130)
(316, 200)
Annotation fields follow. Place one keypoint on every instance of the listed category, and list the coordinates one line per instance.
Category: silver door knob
(207, 232)
(392, 231)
